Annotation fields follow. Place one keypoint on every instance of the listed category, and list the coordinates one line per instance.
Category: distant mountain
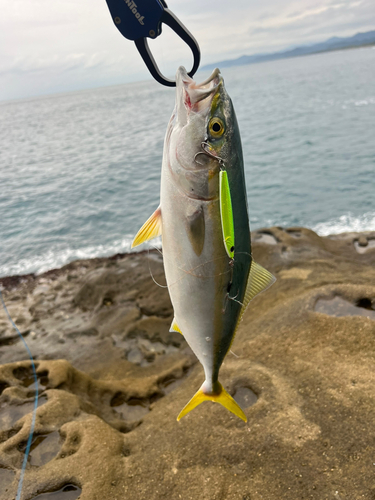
(334, 43)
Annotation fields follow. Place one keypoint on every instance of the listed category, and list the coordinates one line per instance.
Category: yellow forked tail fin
(221, 396)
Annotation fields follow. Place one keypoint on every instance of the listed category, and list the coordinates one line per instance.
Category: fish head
(202, 135)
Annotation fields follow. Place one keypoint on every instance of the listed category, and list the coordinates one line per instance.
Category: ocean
(80, 172)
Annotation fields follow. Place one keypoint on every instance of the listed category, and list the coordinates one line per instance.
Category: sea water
(80, 172)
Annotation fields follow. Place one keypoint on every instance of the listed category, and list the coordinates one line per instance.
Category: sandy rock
(113, 380)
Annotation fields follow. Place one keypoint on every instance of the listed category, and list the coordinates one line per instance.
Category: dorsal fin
(150, 229)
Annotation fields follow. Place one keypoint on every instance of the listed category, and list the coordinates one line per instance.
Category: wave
(346, 223)
(56, 258)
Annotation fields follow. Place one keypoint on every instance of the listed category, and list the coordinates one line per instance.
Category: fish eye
(216, 127)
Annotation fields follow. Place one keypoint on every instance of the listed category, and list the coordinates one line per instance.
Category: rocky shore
(113, 380)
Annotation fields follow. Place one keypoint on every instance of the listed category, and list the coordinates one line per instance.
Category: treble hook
(144, 19)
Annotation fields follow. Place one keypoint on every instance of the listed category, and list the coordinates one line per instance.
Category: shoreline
(11, 281)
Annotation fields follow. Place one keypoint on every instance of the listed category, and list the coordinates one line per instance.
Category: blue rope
(27, 451)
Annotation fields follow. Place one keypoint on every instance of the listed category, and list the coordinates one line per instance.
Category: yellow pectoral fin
(150, 229)
(222, 397)
(174, 327)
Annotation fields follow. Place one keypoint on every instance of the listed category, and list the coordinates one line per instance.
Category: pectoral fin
(226, 214)
(196, 229)
(150, 229)
(174, 327)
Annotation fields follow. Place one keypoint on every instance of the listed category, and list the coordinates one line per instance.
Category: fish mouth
(195, 97)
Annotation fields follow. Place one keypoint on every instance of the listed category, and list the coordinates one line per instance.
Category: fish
(204, 224)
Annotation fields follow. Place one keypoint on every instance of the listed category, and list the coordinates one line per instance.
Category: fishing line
(157, 249)
(189, 271)
(27, 451)
(234, 300)
(243, 253)
(202, 276)
(149, 267)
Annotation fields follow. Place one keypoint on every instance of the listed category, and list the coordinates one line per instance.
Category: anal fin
(150, 229)
(174, 327)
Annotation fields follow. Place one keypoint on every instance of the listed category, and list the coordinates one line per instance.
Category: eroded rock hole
(267, 238)
(3, 386)
(366, 304)
(156, 397)
(107, 301)
(245, 397)
(294, 234)
(362, 245)
(125, 452)
(339, 307)
(67, 492)
(44, 447)
(5, 435)
(118, 399)
(10, 414)
(130, 409)
(25, 374)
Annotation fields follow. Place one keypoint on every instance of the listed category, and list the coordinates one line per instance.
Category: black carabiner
(173, 22)
(142, 20)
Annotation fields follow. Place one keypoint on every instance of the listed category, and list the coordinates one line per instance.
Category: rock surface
(113, 379)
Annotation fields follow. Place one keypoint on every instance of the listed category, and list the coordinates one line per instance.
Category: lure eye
(216, 127)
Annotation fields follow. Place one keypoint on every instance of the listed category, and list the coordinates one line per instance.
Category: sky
(63, 45)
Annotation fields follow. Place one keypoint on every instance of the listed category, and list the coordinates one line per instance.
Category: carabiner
(142, 20)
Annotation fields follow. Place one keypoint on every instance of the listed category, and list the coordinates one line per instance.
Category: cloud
(313, 24)
(61, 45)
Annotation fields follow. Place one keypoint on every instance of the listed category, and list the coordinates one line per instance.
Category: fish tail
(219, 396)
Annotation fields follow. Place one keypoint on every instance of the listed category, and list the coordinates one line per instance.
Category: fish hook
(207, 150)
(195, 157)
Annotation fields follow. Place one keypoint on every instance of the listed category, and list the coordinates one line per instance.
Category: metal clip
(142, 20)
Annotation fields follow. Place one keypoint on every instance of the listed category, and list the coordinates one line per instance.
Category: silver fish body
(208, 284)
